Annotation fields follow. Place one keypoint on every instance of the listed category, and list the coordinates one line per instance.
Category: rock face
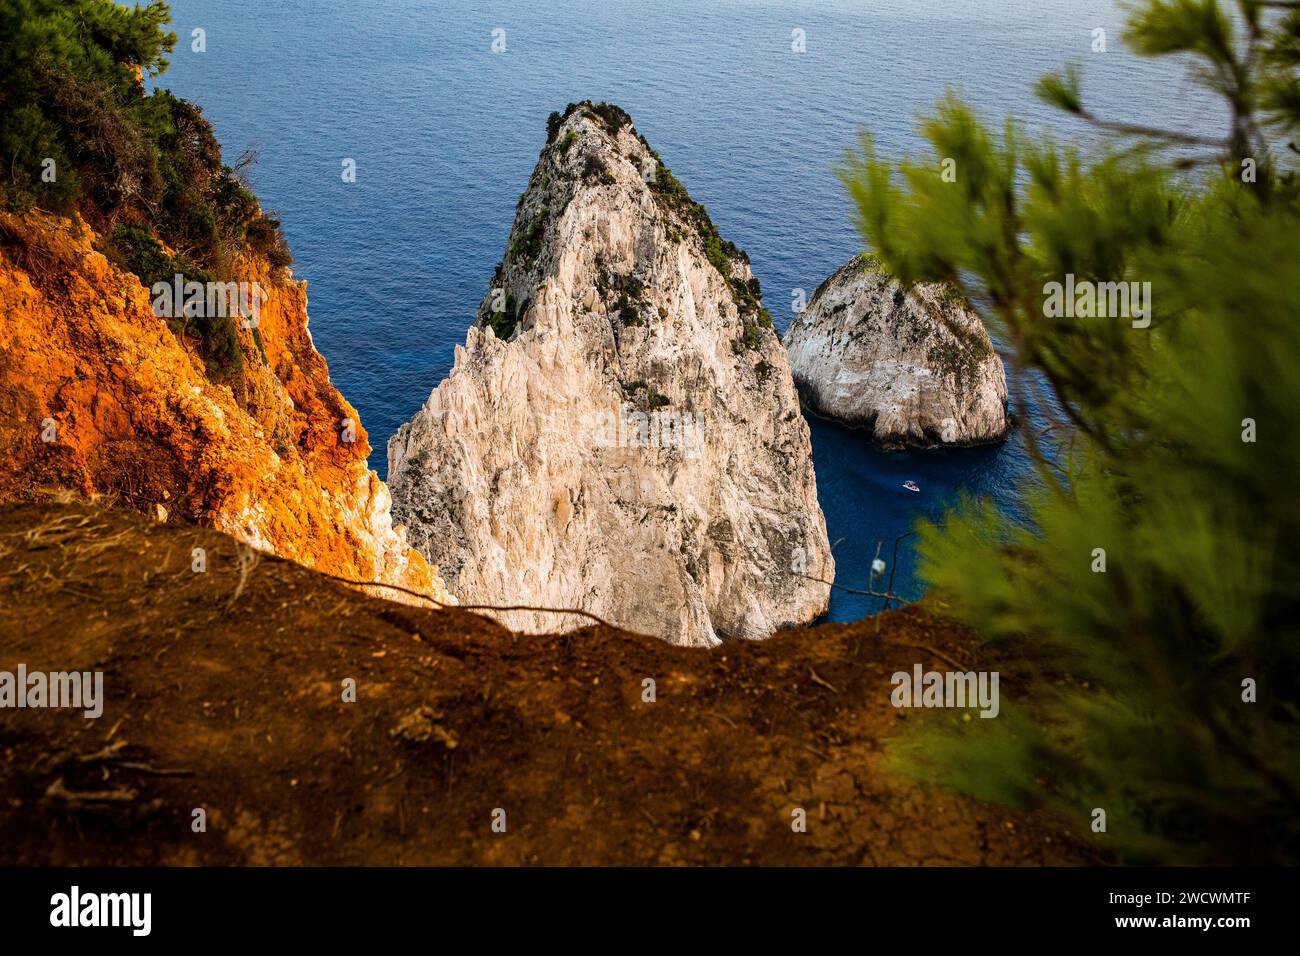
(100, 397)
(620, 432)
(916, 367)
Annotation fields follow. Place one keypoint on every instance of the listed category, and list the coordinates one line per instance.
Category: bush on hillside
(1144, 616)
(78, 132)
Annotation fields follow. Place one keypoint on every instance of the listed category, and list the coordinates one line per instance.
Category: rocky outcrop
(914, 366)
(620, 432)
(99, 396)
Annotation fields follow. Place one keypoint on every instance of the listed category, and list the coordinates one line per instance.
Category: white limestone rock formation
(620, 431)
(916, 367)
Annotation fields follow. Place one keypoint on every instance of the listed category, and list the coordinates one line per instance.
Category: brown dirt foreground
(242, 688)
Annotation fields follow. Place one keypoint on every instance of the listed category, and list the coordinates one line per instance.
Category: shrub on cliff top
(79, 131)
(1144, 618)
(614, 118)
(553, 127)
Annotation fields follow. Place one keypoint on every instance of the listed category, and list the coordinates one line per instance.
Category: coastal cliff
(620, 432)
(101, 397)
(916, 366)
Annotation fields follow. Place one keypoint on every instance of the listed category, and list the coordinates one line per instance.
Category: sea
(442, 105)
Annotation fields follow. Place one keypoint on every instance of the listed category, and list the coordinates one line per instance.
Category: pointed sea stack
(620, 432)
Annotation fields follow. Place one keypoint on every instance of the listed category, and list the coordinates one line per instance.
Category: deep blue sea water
(445, 133)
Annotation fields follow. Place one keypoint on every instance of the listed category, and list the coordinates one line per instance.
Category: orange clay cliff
(98, 396)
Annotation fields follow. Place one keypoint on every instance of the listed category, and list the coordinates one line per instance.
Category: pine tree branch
(1151, 132)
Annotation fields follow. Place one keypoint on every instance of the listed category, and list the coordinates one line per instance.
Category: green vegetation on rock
(627, 311)
(79, 133)
(747, 294)
(528, 243)
(503, 322)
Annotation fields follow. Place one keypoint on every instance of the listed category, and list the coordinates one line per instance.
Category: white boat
(910, 486)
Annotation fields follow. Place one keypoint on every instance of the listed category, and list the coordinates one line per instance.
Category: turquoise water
(445, 133)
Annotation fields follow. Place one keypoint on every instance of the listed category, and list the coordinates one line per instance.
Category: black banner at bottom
(906, 906)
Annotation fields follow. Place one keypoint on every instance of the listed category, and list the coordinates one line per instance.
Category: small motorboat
(910, 486)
